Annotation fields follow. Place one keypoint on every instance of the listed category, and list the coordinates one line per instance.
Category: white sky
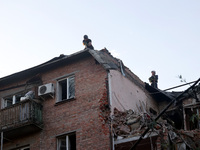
(161, 35)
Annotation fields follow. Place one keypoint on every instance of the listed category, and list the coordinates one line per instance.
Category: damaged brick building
(90, 100)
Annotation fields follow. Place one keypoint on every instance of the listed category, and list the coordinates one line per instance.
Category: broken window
(10, 100)
(16, 98)
(192, 118)
(66, 142)
(66, 88)
(7, 101)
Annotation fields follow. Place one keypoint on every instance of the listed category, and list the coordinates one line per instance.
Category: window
(66, 89)
(10, 100)
(192, 117)
(17, 98)
(67, 142)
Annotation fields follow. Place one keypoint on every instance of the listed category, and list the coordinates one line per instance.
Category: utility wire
(172, 88)
(179, 86)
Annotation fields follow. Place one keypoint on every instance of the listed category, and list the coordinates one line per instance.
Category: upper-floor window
(16, 98)
(10, 100)
(66, 88)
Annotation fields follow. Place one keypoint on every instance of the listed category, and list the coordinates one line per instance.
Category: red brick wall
(84, 114)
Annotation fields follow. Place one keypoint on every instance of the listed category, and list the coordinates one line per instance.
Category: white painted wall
(126, 95)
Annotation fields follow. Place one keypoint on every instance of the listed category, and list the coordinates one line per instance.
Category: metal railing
(20, 114)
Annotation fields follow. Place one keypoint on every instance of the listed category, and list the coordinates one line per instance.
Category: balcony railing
(21, 115)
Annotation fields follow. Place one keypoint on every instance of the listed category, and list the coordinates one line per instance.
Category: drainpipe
(109, 89)
(1, 140)
(121, 67)
(110, 103)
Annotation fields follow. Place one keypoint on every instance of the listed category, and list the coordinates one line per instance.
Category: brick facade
(82, 115)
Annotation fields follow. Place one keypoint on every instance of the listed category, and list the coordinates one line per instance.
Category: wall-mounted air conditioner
(46, 89)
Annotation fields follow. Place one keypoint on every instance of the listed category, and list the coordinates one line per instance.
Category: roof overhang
(158, 94)
(99, 56)
(53, 63)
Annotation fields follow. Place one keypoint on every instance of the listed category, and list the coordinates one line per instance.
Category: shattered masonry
(167, 132)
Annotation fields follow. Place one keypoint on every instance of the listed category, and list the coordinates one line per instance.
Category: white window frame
(5, 101)
(59, 89)
(16, 98)
(67, 141)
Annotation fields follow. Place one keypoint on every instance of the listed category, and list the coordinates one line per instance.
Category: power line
(178, 86)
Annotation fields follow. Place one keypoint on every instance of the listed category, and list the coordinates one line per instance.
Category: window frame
(67, 140)
(13, 98)
(59, 89)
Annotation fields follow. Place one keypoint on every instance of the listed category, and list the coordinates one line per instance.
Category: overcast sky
(161, 35)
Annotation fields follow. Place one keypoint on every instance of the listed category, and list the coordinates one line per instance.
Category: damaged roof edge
(158, 94)
(103, 57)
(97, 55)
(38, 67)
(109, 64)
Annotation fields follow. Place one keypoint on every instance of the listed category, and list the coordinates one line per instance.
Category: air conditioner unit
(46, 89)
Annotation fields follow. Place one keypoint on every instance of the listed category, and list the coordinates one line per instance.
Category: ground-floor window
(66, 142)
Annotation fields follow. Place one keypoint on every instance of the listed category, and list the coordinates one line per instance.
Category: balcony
(21, 119)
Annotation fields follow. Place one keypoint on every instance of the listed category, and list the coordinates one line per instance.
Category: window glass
(62, 143)
(66, 89)
(63, 89)
(71, 87)
(67, 142)
(8, 102)
(14, 99)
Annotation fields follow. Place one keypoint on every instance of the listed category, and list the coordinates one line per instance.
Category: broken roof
(158, 94)
(103, 57)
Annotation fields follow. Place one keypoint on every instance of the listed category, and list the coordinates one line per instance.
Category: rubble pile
(128, 123)
(191, 138)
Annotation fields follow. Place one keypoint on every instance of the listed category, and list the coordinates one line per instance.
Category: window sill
(65, 101)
